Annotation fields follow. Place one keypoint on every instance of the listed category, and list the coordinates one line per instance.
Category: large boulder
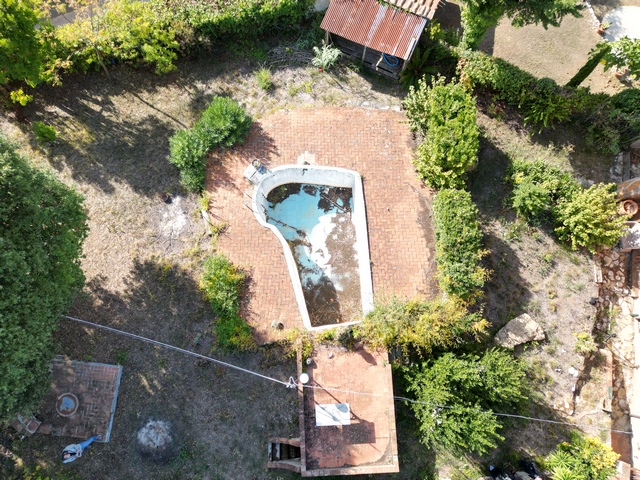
(520, 330)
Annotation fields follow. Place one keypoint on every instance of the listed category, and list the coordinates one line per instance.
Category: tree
(42, 227)
(478, 16)
(585, 458)
(620, 54)
(22, 46)
(116, 30)
(456, 397)
(589, 218)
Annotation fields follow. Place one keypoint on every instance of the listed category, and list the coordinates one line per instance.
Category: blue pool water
(316, 222)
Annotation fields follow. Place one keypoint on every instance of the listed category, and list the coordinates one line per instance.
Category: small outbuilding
(382, 34)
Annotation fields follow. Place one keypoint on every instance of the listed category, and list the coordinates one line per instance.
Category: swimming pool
(318, 214)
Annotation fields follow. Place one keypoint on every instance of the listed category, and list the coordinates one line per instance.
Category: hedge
(458, 244)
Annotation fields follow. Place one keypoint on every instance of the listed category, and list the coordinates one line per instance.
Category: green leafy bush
(223, 124)
(44, 132)
(42, 227)
(222, 283)
(325, 57)
(538, 187)
(238, 19)
(584, 458)
(582, 217)
(458, 394)
(541, 101)
(589, 218)
(531, 200)
(118, 31)
(458, 244)
(611, 123)
(419, 326)
(446, 115)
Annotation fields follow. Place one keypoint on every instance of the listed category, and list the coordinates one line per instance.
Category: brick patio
(374, 143)
(368, 443)
(96, 387)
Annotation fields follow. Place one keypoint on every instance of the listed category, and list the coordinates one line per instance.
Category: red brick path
(374, 143)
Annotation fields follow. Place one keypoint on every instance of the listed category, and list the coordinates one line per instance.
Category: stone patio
(96, 387)
(376, 144)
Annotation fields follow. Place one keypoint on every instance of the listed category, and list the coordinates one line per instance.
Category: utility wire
(177, 349)
(292, 383)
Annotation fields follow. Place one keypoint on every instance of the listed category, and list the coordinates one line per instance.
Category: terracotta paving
(96, 387)
(366, 445)
(376, 144)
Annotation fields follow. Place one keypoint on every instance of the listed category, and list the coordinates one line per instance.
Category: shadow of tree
(507, 293)
(208, 406)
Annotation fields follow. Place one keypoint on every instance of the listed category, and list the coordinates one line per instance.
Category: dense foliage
(42, 227)
(542, 102)
(458, 244)
(150, 32)
(195, 20)
(584, 458)
(589, 218)
(457, 395)
(478, 16)
(537, 189)
(610, 123)
(223, 124)
(222, 283)
(420, 326)
(446, 115)
(117, 31)
(581, 217)
(24, 47)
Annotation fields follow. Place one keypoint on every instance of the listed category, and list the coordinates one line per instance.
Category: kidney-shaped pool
(318, 214)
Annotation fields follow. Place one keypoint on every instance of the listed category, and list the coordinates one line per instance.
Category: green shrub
(470, 387)
(325, 57)
(531, 200)
(419, 326)
(585, 458)
(541, 101)
(612, 124)
(222, 283)
(44, 132)
(458, 244)
(43, 224)
(223, 124)
(118, 31)
(188, 150)
(538, 187)
(589, 218)
(263, 77)
(446, 115)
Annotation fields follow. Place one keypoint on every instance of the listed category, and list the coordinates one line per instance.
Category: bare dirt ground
(558, 52)
(142, 260)
(143, 256)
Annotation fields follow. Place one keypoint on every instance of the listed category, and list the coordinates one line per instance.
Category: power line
(178, 349)
(293, 384)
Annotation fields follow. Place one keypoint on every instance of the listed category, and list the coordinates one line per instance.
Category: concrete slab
(625, 21)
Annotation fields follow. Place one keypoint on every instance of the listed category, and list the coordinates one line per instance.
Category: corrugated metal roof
(375, 26)
(424, 8)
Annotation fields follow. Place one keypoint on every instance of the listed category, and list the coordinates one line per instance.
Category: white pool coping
(332, 177)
